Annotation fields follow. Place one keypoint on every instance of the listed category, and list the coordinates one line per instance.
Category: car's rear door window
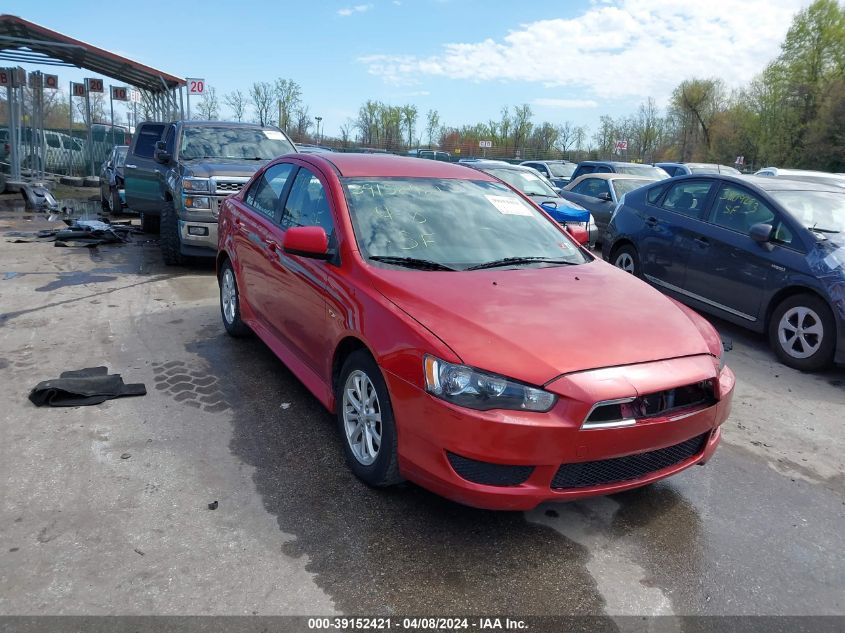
(688, 197)
(307, 203)
(265, 193)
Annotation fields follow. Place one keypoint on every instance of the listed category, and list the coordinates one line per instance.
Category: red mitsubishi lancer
(465, 341)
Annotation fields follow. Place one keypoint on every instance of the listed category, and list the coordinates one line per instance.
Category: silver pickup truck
(176, 175)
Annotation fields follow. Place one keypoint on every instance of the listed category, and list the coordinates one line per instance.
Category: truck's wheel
(149, 223)
(170, 240)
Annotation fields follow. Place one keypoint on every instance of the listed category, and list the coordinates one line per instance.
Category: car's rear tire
(104, 202)
(802, 332)
(230, 304)
(115, 206)
(626, 258)
(171, 242)
(366, 422)
(150, 223)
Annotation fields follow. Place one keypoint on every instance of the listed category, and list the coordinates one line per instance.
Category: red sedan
(464, 340)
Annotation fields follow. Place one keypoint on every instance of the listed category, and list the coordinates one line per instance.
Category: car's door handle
(128, 166)
(703, 242)
(241, 227)
(651, 221)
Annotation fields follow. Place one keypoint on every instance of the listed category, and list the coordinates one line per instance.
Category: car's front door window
(264, 194)
(307, 204)
(738, 209)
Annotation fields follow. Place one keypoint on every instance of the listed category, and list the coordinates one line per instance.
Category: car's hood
(222, 167)
(534, 324)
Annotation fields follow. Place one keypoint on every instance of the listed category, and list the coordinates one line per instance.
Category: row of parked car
(762, 251)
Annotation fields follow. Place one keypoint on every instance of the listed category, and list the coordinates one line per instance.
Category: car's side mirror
(161, 156)
(605, 196)
(306, 241)
(579, 234)
(762, 234)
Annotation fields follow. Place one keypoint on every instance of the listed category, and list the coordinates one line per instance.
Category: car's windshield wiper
(411, 262)
(818, 229)
(507, 261)
(541, 195)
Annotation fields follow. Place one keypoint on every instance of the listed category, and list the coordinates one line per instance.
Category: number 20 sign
(196, 86)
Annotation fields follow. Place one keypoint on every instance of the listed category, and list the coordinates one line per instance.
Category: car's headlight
(468, 387)
(197, 203)
(189, 185)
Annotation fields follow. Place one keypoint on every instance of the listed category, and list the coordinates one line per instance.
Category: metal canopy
(23, 41)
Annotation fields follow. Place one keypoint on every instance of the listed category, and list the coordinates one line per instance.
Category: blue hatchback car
(764, 253)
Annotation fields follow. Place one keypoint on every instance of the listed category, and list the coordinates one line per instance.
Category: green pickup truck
(176, 175)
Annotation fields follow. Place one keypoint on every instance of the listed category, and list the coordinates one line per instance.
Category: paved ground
(104, 509)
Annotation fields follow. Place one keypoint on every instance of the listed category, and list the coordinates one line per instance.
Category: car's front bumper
(429, 430)
(199, 239)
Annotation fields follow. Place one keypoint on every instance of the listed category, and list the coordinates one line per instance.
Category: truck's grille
(609, 471)
(226, 188)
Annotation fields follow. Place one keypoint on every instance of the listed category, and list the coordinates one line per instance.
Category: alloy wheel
(362, 417)
(625, 262)
(800, 332)
(229, 296)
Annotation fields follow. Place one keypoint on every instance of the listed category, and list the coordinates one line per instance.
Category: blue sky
(571, 60)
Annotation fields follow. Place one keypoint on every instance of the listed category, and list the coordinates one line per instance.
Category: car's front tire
(627, 258)
(366, 423)
(230, 304)
(802, 332)
(171, 242)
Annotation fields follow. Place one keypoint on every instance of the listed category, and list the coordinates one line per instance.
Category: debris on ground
(83, 387)
(212, 505)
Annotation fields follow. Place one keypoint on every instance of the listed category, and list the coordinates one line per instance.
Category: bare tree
(237, 103)
(302, 123)
(432, 125)
(262, 95)
(288, 98)
(208, 108)
(346, 132)
(409, 120)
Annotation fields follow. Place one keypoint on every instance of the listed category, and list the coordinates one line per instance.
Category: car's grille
(489, 474)
(700, 394)
(609, 471)
(229, 187)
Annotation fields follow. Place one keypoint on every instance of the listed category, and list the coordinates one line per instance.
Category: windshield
(822, 209)
(623, 185)
(561, 170)
(232, 142)
(525, 180)
(642, 170)
(454, 223)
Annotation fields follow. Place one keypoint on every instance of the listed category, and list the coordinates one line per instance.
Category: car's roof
(489, 164)
(606, 176)
(612, 162)
(557, 160)
(352, 165)
(193, 123)
(766, 183)
(801, 172)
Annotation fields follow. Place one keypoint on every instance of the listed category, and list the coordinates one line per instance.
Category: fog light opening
(197, 230)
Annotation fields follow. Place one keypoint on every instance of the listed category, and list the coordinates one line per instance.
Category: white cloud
(616, 48)
(358, 8)
(565, 103)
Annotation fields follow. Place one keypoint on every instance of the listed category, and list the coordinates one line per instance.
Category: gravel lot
(103, 510)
